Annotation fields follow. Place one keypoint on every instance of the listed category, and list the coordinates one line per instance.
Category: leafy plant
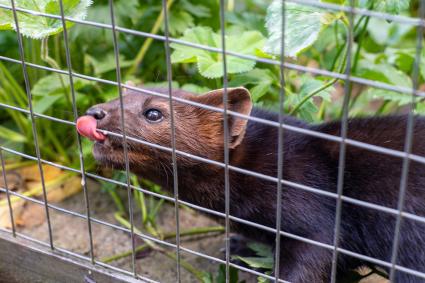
(39, 27)
(382, 51)
(210, 65)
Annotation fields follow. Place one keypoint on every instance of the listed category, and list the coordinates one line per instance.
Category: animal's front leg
(304, 263)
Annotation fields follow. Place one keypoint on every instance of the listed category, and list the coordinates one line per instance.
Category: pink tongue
(86, 126)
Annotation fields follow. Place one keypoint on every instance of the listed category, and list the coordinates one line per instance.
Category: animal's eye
(153, 115)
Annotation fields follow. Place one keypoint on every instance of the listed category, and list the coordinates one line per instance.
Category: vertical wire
(75, 113)
(343, 145)
(280, 148)
(127, 164)
(173, 136)
(226, 140)
(34, 128)
(408, 143)
(9, 203)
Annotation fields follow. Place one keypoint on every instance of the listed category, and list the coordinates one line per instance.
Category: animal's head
(147, 117)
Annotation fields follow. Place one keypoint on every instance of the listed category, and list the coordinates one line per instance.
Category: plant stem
(145, 47)
(189, 232)
(359, 44)
(322, 110)
(117, 200)
(198, 274)
(325, 86)
(49, 60)
(140, 199)
(58, 146)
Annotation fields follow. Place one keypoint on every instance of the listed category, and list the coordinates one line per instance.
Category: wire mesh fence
(406, 156)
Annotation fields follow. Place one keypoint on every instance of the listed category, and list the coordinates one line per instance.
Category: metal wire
(124, 136)
(408, 143)
(75, 113)
(3, 169)
(309, 132)
(31, 112)
(173, 136)
(343, 145)
(290, 66)
(269, 229)
(343, 140)
(280, 147)
(226, 140)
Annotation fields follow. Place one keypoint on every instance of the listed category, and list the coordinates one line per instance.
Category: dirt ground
(70, 233)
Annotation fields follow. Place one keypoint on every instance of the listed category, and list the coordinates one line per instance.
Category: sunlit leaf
(11, 135)
(258, 262)
(302, 27)
(210, 64)
(261, 79)
(39, 27)
(261, 249)
(388, 6)
(383, 72)
(57, 83)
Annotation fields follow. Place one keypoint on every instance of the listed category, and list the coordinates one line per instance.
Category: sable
(369, 176)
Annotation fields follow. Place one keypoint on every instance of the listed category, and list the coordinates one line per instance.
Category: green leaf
(52, 84)
(262, 79)
(45, 103)
(385, 33)
(195, 88)
(260, 249)
(388, 6)
(11, 135)
(302, 26)
(200, 11)
(207, 278)
(258, 262)
(382, 72)
(310, 84)
(420, 108)
(397, 97)
(403, 59)
(6, 17)
(164, 84)
(210, 64)
(39, 27)
(107, 63)
(308, 109)
(179, 21)
(233, 274)
(261, 279)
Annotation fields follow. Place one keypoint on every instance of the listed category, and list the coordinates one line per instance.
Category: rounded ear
(239, 100)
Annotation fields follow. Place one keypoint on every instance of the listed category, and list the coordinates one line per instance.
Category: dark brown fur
(369, 176)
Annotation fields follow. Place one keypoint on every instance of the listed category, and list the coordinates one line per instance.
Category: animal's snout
(96, 112)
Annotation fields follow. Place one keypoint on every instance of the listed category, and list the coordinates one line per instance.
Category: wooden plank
(25, 261)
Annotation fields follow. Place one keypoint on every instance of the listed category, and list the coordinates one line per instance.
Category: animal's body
(307, 160)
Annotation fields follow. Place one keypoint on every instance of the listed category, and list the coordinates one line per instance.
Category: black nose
(96, 112)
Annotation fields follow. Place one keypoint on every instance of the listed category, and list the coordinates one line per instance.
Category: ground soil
(70, 233)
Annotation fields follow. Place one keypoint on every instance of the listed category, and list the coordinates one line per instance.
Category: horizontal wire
(287, 65)
(359, 144)
(126, 230)
(401, 19)
(233, 168)
(79, 256)
(239, 220)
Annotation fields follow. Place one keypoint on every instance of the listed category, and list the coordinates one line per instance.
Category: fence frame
(405, 155)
